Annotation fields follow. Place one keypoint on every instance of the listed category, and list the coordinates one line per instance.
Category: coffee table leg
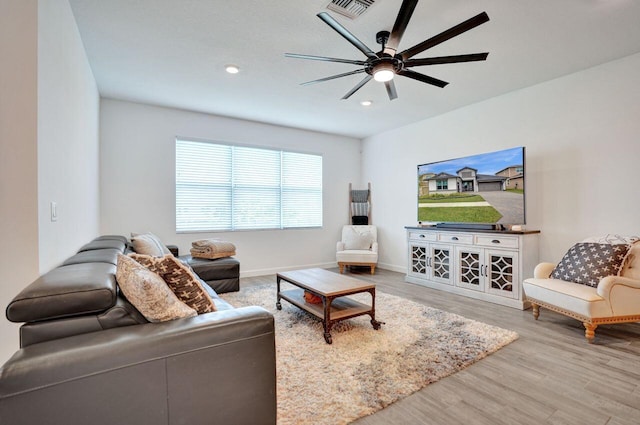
(278, 304)
(374, 322)
(327, 319)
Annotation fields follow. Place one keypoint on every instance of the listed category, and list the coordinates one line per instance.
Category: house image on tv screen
(468, 180)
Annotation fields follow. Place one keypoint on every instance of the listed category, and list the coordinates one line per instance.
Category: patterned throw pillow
(180, 279)
(149, 293)
(587, 263)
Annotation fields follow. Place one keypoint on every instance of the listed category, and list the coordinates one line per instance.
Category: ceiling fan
(385, 64)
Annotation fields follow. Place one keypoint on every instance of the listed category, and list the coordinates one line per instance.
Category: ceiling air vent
(350, 8)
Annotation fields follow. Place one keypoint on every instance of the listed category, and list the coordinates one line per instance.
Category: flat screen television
(484, 189)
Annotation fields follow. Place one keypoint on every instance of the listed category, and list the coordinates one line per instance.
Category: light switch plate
(54, 211)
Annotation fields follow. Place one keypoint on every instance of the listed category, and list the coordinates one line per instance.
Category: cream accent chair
(616, 299)
(358, 247)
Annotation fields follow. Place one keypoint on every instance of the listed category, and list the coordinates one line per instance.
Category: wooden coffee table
(333, 289)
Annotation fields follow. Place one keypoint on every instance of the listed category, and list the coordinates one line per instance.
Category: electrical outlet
(54, 211)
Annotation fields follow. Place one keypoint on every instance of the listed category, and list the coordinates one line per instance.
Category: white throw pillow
(355, 238)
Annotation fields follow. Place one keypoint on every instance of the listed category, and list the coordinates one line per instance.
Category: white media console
(489, 265)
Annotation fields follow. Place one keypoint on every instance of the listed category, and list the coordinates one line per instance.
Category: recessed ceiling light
(232, 69)
(366, 103)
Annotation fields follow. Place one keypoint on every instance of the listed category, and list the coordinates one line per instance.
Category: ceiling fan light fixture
(383, 72)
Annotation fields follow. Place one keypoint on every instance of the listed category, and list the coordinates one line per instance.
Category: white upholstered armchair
(358, 247)
(592, 283)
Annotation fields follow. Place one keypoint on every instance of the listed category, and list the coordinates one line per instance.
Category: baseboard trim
(274, 270)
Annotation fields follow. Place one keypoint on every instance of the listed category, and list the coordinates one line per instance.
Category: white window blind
(226, 187)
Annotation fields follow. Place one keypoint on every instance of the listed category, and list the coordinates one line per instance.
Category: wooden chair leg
(341, 266)
(536, 310)
(373, 269)
(589, 331)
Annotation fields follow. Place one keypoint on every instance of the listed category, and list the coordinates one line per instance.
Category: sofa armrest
(543, 270)
(609, 283)
(218, 366)
(339, 246)
(374, 247)
(621, 293)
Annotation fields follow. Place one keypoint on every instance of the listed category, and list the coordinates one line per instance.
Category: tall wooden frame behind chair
(360, 205)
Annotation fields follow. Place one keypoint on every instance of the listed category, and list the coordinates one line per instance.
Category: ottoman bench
(221, 274)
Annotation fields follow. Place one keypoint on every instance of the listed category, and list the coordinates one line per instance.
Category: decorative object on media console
(384, 65)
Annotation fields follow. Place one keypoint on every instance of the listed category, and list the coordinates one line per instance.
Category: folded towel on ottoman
(212, 249)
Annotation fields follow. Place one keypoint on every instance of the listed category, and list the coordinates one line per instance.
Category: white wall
(18, 157)
(49, 146)
(68, 166)
(137, 154)
(581, 135)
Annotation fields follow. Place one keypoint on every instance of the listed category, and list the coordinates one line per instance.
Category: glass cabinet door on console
(470, 268)
(430, 261)
(441, 263)
(418, 260)
(487, 270)
(502, 272)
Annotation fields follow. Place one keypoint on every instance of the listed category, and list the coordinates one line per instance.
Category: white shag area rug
(365, 370)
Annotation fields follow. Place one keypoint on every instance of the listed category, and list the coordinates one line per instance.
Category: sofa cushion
(121, 314)
(120, 238)
(587, 263)
(104, 244)
(149, 293)
(66, 291)
(108, 255)
(357, 256)
(181, 279)
(148, 244)
(580, 299)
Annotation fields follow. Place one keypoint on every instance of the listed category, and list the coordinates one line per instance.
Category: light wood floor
(550, 375)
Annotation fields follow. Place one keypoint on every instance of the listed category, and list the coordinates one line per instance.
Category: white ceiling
(173, 53)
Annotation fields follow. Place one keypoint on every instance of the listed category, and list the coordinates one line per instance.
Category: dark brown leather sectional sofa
(88, 356)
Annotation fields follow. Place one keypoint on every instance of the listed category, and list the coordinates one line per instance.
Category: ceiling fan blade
(446, 59)
(357, 71)
(358, 86)
(402, 20)
(446, 35)
(346, 34)
(323, 58)
(423, 78)
(391, 89)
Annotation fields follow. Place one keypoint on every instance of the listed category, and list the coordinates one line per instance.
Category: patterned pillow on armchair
(586, 262)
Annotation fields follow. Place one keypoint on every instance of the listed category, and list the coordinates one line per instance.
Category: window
(442, 184)
(225, 187)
